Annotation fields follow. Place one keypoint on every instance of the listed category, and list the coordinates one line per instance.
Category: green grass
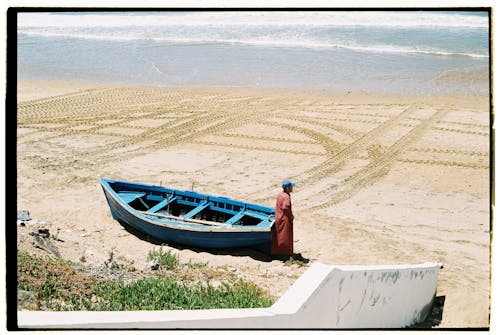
(166, 259)
(165, 293)
(57, 286)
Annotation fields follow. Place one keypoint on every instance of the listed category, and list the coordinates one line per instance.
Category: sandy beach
(381, 179)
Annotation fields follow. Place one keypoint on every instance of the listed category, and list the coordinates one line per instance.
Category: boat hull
(212, 237)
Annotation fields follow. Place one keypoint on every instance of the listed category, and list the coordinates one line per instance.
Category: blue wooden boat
(189, 218)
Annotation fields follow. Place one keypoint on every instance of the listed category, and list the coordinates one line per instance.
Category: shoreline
(29, 89)
(381, 179)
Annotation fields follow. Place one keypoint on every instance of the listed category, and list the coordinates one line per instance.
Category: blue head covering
(287, 183)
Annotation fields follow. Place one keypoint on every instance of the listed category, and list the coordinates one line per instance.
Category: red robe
(282, 238)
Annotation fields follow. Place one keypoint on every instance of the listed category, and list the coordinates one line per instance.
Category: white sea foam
(275, 19)
(268, 41)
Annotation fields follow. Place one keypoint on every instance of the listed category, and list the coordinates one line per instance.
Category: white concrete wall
(383, 298)
(324, 296)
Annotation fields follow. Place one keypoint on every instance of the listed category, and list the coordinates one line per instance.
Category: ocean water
(415, 52)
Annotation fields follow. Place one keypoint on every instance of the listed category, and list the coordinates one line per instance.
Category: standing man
(282, 236)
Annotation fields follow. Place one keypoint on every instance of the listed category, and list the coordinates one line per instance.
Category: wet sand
(380, 179)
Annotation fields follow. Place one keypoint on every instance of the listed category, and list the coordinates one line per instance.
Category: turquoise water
(377, 51)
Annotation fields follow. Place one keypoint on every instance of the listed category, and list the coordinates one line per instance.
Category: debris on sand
(42, 240)
(24, 218)
(23, 215)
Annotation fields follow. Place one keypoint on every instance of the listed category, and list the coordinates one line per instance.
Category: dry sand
(380, 179)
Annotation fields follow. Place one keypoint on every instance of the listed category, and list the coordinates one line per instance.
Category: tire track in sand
(375, 169)
(335, 159)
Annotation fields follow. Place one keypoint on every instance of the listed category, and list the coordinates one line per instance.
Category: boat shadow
(237, 252)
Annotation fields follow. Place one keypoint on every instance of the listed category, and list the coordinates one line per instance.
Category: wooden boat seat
(161, 204)
(154, 197)
(257, 215)
(128, 197)
(264, 223)
(235, 218)
(197, 210)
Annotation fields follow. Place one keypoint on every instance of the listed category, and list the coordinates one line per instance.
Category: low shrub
(58, 286)
(163, 293)
(165, 258)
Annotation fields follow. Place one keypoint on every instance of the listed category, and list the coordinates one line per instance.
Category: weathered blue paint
(123, 199)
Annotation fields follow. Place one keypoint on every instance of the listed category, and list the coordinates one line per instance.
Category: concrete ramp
(324, 297)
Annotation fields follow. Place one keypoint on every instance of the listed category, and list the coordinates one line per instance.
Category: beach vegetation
(196, 265)
(59, 285)
(165, 258)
